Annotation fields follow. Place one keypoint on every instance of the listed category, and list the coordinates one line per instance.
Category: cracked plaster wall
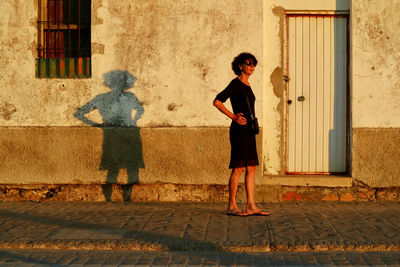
(179, 51)
(376, 92)
(375, 63)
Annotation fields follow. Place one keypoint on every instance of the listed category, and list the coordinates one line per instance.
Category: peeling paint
(98, 48)
(96, 4)
(62, 87)
(6, 110)
(280, 12)
(173, 107)
(202, 68)
(276, 79)
(33, 49)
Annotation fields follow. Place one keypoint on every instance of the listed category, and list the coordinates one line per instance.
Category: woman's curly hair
(240, 59)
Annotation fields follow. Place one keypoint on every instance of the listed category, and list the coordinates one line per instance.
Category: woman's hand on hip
(239, 119)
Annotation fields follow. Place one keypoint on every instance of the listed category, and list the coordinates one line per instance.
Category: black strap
(248, 104)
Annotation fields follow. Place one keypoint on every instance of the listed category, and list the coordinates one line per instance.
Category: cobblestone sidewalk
(163, 258)
(200, 227)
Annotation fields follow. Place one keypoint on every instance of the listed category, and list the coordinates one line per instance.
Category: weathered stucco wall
(376, 92)
(180, 54)
(375, 63)
(179, 51)
(376, 156)
(274, 93)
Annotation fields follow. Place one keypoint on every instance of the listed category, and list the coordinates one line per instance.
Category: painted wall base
(185, 192)
(86, 155)
(376, 156)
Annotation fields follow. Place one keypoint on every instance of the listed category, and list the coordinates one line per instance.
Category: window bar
(39, 49)
(58, 39)
(57, 54)
(47, 32)
(79, 29)
(40, 30)
(69, 31)
(69, 44)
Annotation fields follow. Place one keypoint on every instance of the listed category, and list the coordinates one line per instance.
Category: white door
(317, 94)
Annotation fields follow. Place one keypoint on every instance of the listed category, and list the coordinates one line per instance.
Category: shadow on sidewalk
(168, 241)
(176, 245)
(16, 258)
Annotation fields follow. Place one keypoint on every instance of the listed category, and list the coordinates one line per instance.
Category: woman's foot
(253, 210)
(257, 213)
(236, 212)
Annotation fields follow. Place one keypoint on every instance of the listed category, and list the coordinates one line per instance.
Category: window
(64, 39)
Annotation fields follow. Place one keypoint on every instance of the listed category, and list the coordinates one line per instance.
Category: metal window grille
(64, 38)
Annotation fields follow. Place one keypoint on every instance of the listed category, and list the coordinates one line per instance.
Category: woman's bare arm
(236, 117)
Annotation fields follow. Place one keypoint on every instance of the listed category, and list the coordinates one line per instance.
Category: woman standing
(243, 142)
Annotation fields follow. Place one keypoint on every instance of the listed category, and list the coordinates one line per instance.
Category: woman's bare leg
(233, 186)
(249, 184)
(251, 207)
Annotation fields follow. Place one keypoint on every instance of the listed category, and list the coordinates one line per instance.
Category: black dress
(243, 142)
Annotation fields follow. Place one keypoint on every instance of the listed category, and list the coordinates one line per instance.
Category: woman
(243, 142)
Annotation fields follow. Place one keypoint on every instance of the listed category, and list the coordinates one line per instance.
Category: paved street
(366, 233)
(136, 258)
(200, 226)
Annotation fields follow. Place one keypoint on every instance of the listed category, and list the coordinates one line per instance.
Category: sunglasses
(249, 63)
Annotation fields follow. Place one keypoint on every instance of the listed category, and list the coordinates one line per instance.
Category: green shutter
(63, 67)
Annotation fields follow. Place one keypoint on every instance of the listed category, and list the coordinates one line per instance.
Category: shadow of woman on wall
(122, 145)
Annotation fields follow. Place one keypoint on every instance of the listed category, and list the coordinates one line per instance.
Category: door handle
(301, 98)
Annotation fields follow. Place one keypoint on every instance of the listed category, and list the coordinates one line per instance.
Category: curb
(140, 246)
